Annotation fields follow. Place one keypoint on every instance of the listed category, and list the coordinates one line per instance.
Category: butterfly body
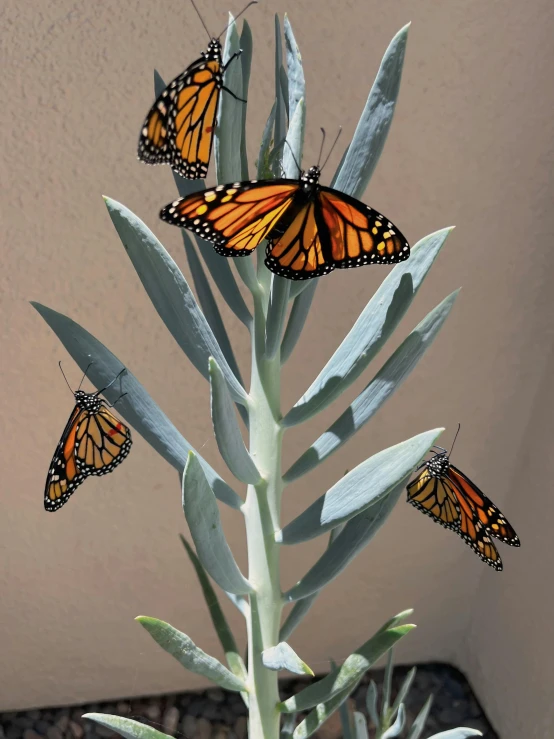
(93, 442)
(443, 492)
(310, 229)
(179, 127)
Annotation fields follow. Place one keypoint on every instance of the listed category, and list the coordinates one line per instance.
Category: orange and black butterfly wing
(64, 475)
(435, 497)
(235, 218)
(484, 510)
(102, 442)
(179, 127)
(359, 234)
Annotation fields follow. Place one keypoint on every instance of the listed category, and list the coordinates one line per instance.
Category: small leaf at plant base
(420, 720)
(461, 733)
(203, 518)
(126, 727)
(404, 689)
(346, 719)
(387, 380)
(283, 657)
(371, 703)
(360, 725)
(171, 295)
(396, 729)
(373, 327)
(136, 407)
(186, 652)
(223, 630)
(316, 718)
(349, 673)
(227, 431)
(363, 487)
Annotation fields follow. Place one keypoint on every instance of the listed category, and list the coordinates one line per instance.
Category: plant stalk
(262, 516)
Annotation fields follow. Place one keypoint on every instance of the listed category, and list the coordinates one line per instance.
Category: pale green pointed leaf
(125, 727)
(364, 487)
(228, 134)
(371, 704)
(276, 313)
(170, 294)
(360, 726)
(348, 674)
(263, 165)
(280, 111)
(387, 683)
(136, 407)
(227, 431)
(246, 64)
(297, 318)
(283, 657)
(223, 630)
(204, 522)
(373, 127)
(460, 733)
(420, 720)
(382, 386)
(370, 332)
(346, 720)
(292, 152)
(209, 306)
(396, 729)
(295, 72)
(404, 690)
(301, 607)
(184, 650)
(357, 533)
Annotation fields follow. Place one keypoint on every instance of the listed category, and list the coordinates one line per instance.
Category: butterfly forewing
(179, 127)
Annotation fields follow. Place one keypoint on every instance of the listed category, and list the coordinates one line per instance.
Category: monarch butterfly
(310, 229)
(443, 492)
(179, 127)
(93, 442)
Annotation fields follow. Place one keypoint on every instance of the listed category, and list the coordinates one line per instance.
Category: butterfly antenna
(295, 159)
(331, 149)
(64, 377)
(201, 19)
(321, 147)
(112, 382)
(89, 365)
(455, 437)
(252, 2)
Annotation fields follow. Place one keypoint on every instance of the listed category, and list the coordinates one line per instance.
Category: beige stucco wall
(471, 145)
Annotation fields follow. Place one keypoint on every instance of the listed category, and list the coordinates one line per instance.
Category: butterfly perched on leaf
(443, 492)
(179, 127)
(93, 442)
(310, 229)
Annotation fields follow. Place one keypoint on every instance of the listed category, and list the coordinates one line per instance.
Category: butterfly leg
(232, 58)
(241, 100)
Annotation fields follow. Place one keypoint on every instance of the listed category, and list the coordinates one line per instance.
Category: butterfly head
(88, 401)
(214, 50)
(438, 465)
(310, 178)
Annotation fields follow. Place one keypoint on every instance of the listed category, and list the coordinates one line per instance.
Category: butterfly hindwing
(179, 127)
(93, 442)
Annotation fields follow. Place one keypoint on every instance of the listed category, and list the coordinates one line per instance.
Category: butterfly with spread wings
(310, 229)
(443, 492)
(93, 442)
(179, 127)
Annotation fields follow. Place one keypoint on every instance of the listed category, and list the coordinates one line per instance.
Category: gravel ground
(217, 714)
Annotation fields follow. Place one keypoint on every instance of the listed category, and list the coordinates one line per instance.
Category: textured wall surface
(471, 145)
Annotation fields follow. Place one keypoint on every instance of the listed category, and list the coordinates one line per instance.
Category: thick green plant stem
(262, 517)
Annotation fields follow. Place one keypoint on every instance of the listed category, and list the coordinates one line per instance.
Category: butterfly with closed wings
(310, 229)
(93, 442)
(444, 493)
(179, 127)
